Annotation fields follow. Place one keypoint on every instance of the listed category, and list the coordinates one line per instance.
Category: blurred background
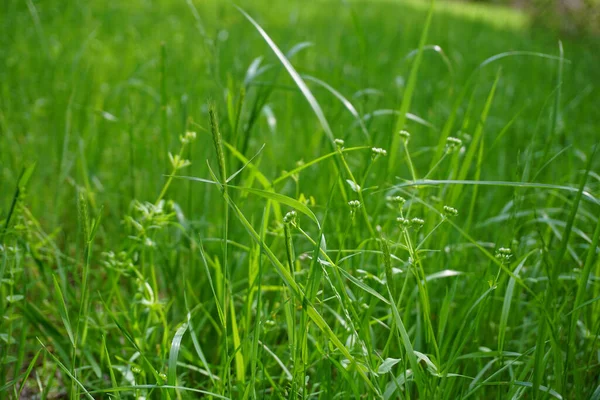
(572, 17)
(89, 89)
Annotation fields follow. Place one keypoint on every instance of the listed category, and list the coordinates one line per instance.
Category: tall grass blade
(174, 354)
(295, 76)
(408, 93)
(66, 371)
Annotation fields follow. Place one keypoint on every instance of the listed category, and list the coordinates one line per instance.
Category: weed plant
(398, 210)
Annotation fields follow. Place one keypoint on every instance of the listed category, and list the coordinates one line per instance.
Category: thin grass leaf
(21, 184)
(111, 372)
(534, 185)
(279, 198)
(27, 373)
(240, 369)
(63, 311)
(508, 296)
(278, 361)
(437, 49)
(409, 116)
(246, 164)
(174, 354)
(596, 394)
(344, 101)
(298, 48)
(159, 387)
(132, 341)
(519, 53)
(408, 93)
(295, 76)
(315, 161)
(477, 138)
(288, 279)
(410, 352)
(541, 388)
(540, 364)
(66, 371)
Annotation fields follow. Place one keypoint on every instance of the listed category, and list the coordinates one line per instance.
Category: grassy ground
(459, 262)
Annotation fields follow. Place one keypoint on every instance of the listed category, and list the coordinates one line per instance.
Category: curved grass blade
(316, 160)
(410, 88)
(295, 76)
(174, 354)
(245, 165)
(279, 198)
(289, 280)
(344, 101)
(298, 48)
(64, 313)
(111, 372)
(158, 387)
(506, 306)
(519, 53)
(409, 116)
(534, 185)
(66, 371)
(437, 49)
(410, 352)
(27, 372)
(541, 388)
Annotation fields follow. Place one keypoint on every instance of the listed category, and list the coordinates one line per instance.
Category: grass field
(326, 199)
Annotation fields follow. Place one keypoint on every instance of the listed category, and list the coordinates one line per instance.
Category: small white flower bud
(403, 222)
(290, 217)
(377, 151)
(396, 199)
(452, 144)
(417, 223)
(450, 211)
(354, 204)
(189, 137)
(504, 254)
(404, 135)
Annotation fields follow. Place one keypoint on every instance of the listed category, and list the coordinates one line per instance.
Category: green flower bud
(417, 223)
(404, 135)
(452, 144)
(450, 211)
(377, 151)
(290, 217)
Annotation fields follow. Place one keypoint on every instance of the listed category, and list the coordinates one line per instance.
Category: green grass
(274, 254)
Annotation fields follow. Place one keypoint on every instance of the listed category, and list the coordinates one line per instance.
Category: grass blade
(295, 76)
(174, 354)
(64, 313)
(66, 371)
(410, 88)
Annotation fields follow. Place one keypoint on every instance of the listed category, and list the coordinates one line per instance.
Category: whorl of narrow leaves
(216, 134)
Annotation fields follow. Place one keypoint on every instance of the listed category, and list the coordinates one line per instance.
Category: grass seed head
(377, 151)
(354, 206)
(189, 137)
(417, 223)
(450, 211)
(290, 218)
(452, 144)
(403, 222)
(504, 254)
(396, 200)
(404, 135)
